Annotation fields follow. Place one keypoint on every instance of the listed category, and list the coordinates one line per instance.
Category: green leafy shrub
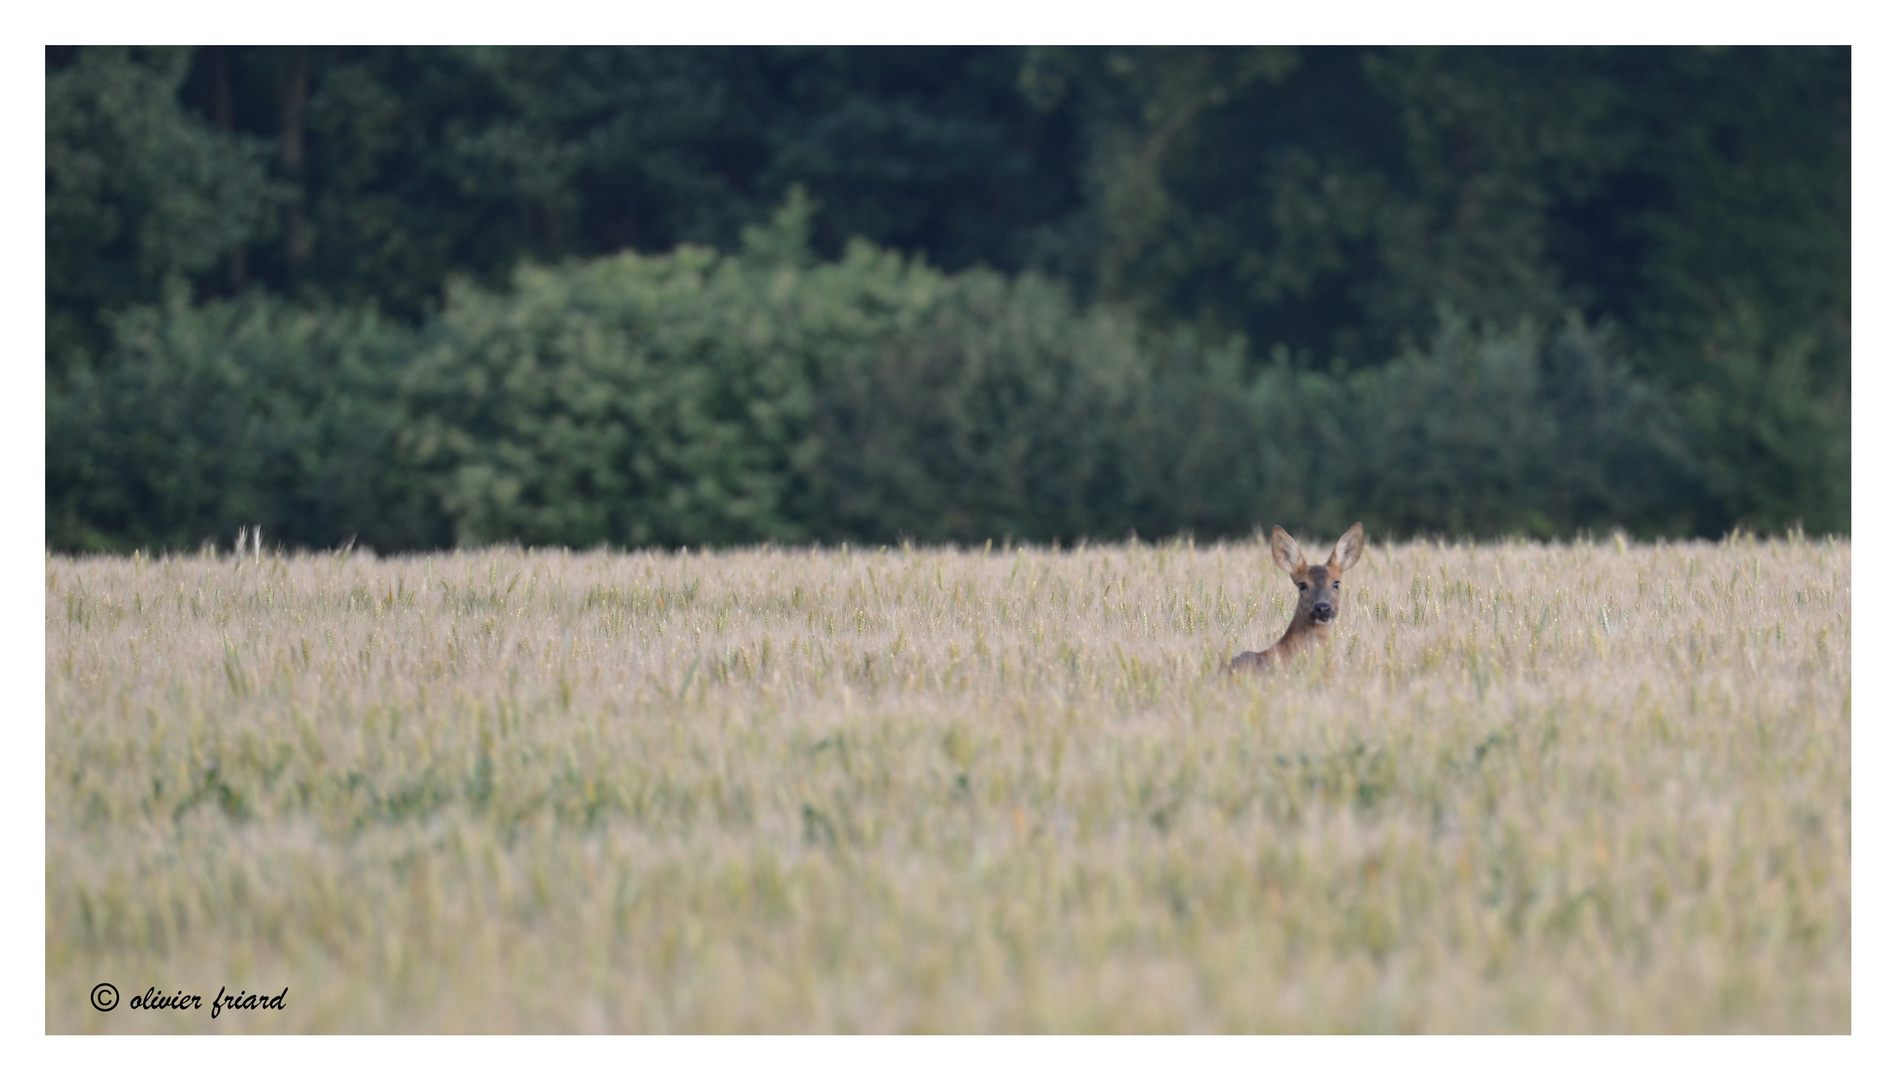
(1776, 441)
(1218, 450)
(694, 398)
(996, 410)
(638, 400)
(1492, 432)
(205, 419)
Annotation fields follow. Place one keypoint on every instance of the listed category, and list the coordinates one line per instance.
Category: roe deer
(1319, 596)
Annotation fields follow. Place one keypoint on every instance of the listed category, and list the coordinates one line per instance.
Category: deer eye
(1337, 584)
(1303, 586)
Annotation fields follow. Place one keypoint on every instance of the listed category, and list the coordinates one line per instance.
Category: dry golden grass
(1576, 788)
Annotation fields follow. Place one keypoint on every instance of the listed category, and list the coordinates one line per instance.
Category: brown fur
(1319, 597)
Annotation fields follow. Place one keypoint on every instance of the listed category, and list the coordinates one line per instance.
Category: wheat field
(1597, 787)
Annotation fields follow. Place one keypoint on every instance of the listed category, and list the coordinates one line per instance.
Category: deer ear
(1348, 549)
(1284, 550)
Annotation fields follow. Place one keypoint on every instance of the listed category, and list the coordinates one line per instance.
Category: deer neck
(1304, 632)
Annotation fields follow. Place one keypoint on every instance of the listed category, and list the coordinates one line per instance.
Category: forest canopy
(634, 296)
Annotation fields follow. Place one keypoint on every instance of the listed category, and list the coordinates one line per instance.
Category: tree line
(424, 296)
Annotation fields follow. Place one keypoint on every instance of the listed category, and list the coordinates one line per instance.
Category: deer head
(1319, 594)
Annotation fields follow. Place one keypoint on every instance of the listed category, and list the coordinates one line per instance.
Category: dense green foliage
(426, 296)
(694, 398)
(236, 411)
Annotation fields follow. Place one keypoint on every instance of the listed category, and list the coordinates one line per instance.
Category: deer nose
(1323, 611)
